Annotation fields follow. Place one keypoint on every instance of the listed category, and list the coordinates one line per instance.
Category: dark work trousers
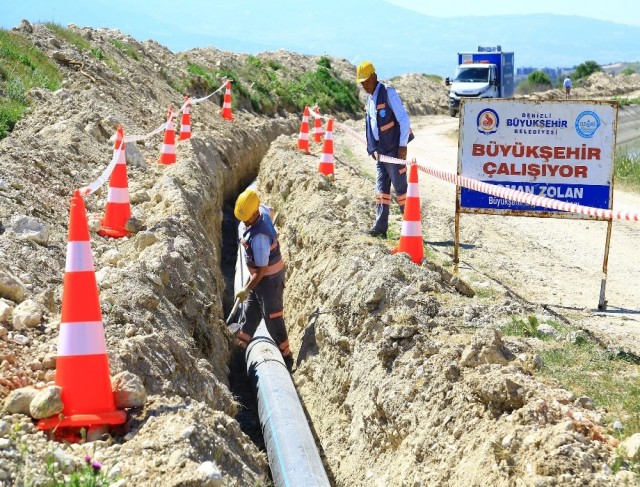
(265, 301)
(388, 174)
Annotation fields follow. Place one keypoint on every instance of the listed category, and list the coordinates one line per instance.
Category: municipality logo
(587, 123)
(488, 121)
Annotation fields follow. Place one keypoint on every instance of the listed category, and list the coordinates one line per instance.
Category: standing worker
(264, 291)
(388, 133)
(567, 87)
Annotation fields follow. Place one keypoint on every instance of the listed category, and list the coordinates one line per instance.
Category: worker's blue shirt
(261, 243)
(398, 110)
(260, 246)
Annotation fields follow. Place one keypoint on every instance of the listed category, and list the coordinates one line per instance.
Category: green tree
(539, 78)
(586, 69)
(627, 71)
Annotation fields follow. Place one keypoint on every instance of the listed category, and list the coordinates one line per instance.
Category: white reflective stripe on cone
(411, 229)
(168, 148)
(226, 105)
(81, 338)
(413, 190)
(328, 136)
(326, 157)
(118, 195)
(303, 136)
(185, 128)
(121, 157)
(79, 257)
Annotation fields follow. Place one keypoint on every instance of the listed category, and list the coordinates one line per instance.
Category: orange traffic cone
(317, 126)
(303, 137)
(118, 209)
(168, 153)
(82, 366)
(185, 122)
(326, 158)
(411, 233)
(226, 106)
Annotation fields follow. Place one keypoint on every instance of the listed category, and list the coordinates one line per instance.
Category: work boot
(377, 233)
(288, 361)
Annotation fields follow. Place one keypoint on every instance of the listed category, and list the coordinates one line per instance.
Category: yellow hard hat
(246, 205)
(365, 70)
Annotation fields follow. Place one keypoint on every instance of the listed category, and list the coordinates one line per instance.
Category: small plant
(611, 380)
(22, 67)
(125, 48)
(275, 65)
(520, 327)
(69, 36)
(627, 170)
(91, 474)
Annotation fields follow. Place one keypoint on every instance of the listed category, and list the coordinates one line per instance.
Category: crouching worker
(264, 291)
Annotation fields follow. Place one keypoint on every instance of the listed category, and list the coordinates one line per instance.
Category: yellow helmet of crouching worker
(246, 205)
(365, 70)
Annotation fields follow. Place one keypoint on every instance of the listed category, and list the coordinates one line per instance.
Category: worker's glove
(243, 294)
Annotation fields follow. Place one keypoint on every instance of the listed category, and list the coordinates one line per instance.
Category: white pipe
(291, 448)
(293, 456)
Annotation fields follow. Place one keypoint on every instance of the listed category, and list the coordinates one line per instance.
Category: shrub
(586, 69)
(22, 67)
(539, 78)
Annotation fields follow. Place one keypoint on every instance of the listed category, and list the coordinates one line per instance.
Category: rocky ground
(402, 371)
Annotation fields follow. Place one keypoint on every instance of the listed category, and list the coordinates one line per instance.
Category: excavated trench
(398, 386)
(239, 383)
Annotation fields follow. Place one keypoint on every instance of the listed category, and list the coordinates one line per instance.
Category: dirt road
(553, 263)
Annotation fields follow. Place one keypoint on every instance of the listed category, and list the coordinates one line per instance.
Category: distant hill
(397, 40)
(401, 41)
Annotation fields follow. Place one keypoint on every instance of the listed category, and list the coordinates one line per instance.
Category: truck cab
(477, 80)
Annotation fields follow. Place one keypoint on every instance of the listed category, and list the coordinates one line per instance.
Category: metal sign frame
(580, 134)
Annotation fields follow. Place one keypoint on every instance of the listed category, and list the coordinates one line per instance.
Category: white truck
(487, 73)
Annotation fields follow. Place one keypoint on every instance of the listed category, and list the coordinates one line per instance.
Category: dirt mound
(161, 290)
(417, 397)
(421, 94)
(598, 86)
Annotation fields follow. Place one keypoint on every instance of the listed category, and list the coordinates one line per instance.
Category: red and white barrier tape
(97, 184)
(506, 193)
(195, 101)
(106, 174)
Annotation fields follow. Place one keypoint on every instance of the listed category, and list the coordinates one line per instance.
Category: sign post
(561, 150)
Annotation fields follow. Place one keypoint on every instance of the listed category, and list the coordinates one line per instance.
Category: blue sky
(348, 28)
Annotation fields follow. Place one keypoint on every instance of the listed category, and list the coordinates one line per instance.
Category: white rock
(631, 447)
(11, 287)
(29, 228)
(46, 403)
(111, 256)
(210, 474)
(27, 314)
(6, 308)
(128, 390)
(19, 400)
(21, 339)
